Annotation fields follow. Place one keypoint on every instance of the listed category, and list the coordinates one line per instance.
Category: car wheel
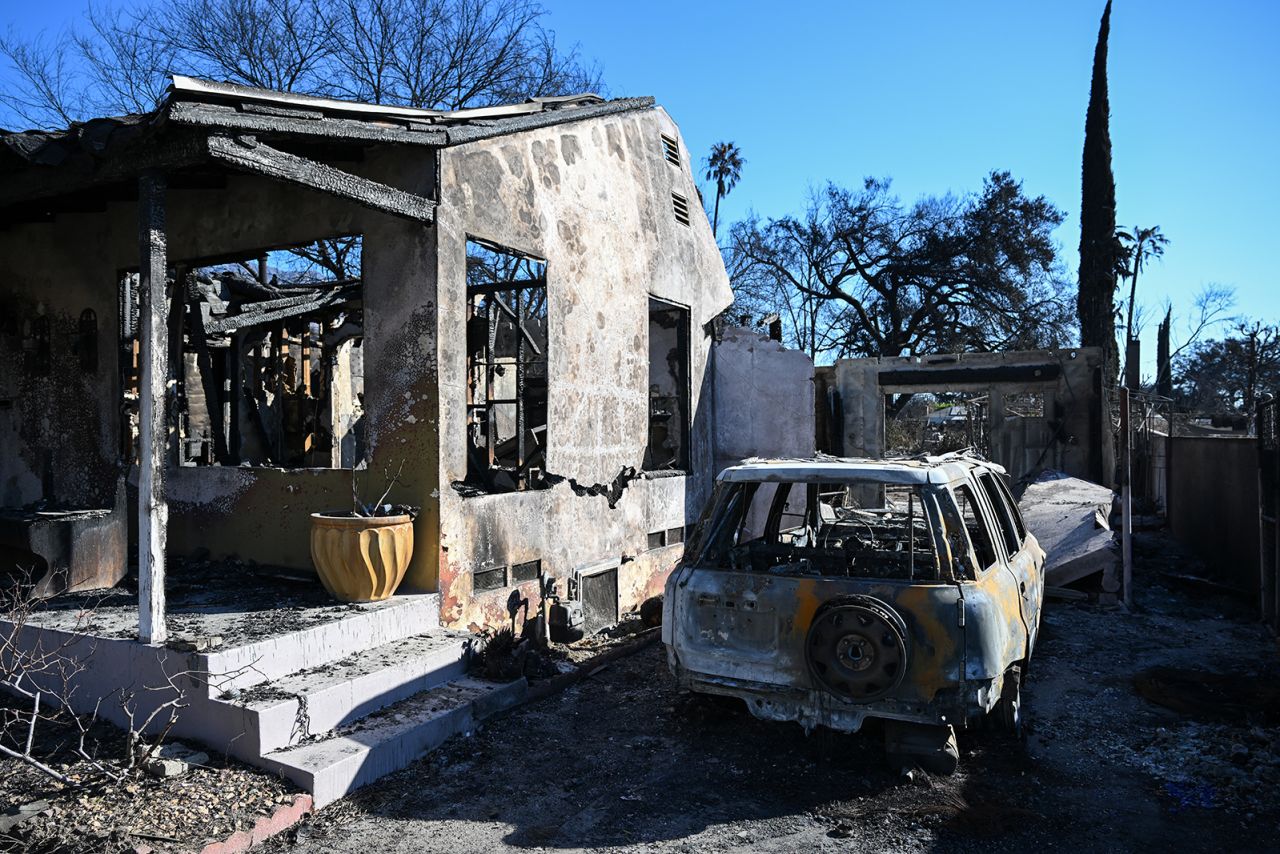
(856, 649)
(930, 747)
(1007, 712)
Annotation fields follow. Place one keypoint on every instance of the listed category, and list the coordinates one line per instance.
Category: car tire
(857, 649)
(1007, 712)
(930, 747)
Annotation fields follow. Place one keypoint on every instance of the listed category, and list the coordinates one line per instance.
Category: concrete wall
(593, 199)
(59, 432)
(1213, 504)
(261, 514)
(1072, 437)
(764, 404)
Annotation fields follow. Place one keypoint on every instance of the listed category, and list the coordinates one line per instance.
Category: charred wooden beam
(249, 319)
(316, 127)
(153, 510)
(248, 154)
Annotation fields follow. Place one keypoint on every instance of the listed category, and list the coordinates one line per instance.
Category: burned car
(830, 591)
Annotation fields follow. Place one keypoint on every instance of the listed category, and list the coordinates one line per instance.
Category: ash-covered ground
(621, 761)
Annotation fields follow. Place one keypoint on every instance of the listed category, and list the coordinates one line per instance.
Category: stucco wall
(256, 513)
(764, 399)
(62, 427)
(593, 199)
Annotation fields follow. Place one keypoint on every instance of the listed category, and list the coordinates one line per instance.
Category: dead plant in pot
(362, 555)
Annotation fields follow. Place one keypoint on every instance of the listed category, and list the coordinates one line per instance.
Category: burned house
(508, 302)
(217, 313)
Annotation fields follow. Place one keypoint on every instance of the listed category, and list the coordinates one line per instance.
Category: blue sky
(935, 94)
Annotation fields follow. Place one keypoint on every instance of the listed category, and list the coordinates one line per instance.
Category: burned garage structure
(219, 311)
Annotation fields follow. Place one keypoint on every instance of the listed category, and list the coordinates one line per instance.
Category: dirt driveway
(621, 762)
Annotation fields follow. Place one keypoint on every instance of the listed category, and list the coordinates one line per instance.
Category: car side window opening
(978, 527)
(1012, 504)
(811, 528)
(1004, 517)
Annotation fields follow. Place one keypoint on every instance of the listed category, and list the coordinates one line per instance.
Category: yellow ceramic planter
(361, 558)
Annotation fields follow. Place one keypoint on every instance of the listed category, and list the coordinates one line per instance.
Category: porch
(268, 669)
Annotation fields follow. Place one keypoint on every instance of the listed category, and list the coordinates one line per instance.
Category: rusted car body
(828, 591)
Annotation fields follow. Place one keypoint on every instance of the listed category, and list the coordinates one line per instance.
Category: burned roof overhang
(247, 154)
(191, 137)
(88, 185)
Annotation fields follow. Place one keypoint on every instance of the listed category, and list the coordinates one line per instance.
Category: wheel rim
(857, 652)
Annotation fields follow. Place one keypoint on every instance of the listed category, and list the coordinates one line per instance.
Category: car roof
(906, 470)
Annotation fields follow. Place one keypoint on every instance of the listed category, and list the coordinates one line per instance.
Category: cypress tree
(1099, 248)
(1164, 364)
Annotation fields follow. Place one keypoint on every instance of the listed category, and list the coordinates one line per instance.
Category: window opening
(1024, 404)
(87, 341)
(668, 447)
(1012, 542)
(822, 529)
(936, 423)
(268, 356)
(506, 369)
(1016, 514)
(976, 523)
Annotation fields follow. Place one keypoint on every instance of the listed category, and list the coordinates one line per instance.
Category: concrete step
(391, 739)
(293, 708)
(368, 625)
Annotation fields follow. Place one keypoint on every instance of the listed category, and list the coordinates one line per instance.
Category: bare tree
(977, 272)
(442, 54)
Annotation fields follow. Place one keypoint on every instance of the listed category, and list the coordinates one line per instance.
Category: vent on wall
(670, 150)
(528, 571)
(489, 579)
(598, 591)
(681, 206)
(669, 537)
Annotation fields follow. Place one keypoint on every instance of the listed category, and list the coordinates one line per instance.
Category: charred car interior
(799, 528)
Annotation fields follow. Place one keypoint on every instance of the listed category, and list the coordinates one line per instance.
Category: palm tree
(1140, 244)
(724, 166)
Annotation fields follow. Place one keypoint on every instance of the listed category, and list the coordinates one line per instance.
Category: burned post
(153, 425)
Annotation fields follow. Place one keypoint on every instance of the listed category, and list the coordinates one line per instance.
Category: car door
(996, 633)
(1021, 562)
(1028, 561)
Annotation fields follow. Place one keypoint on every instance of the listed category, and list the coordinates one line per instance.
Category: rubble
(1069, 519)
(170, 760)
